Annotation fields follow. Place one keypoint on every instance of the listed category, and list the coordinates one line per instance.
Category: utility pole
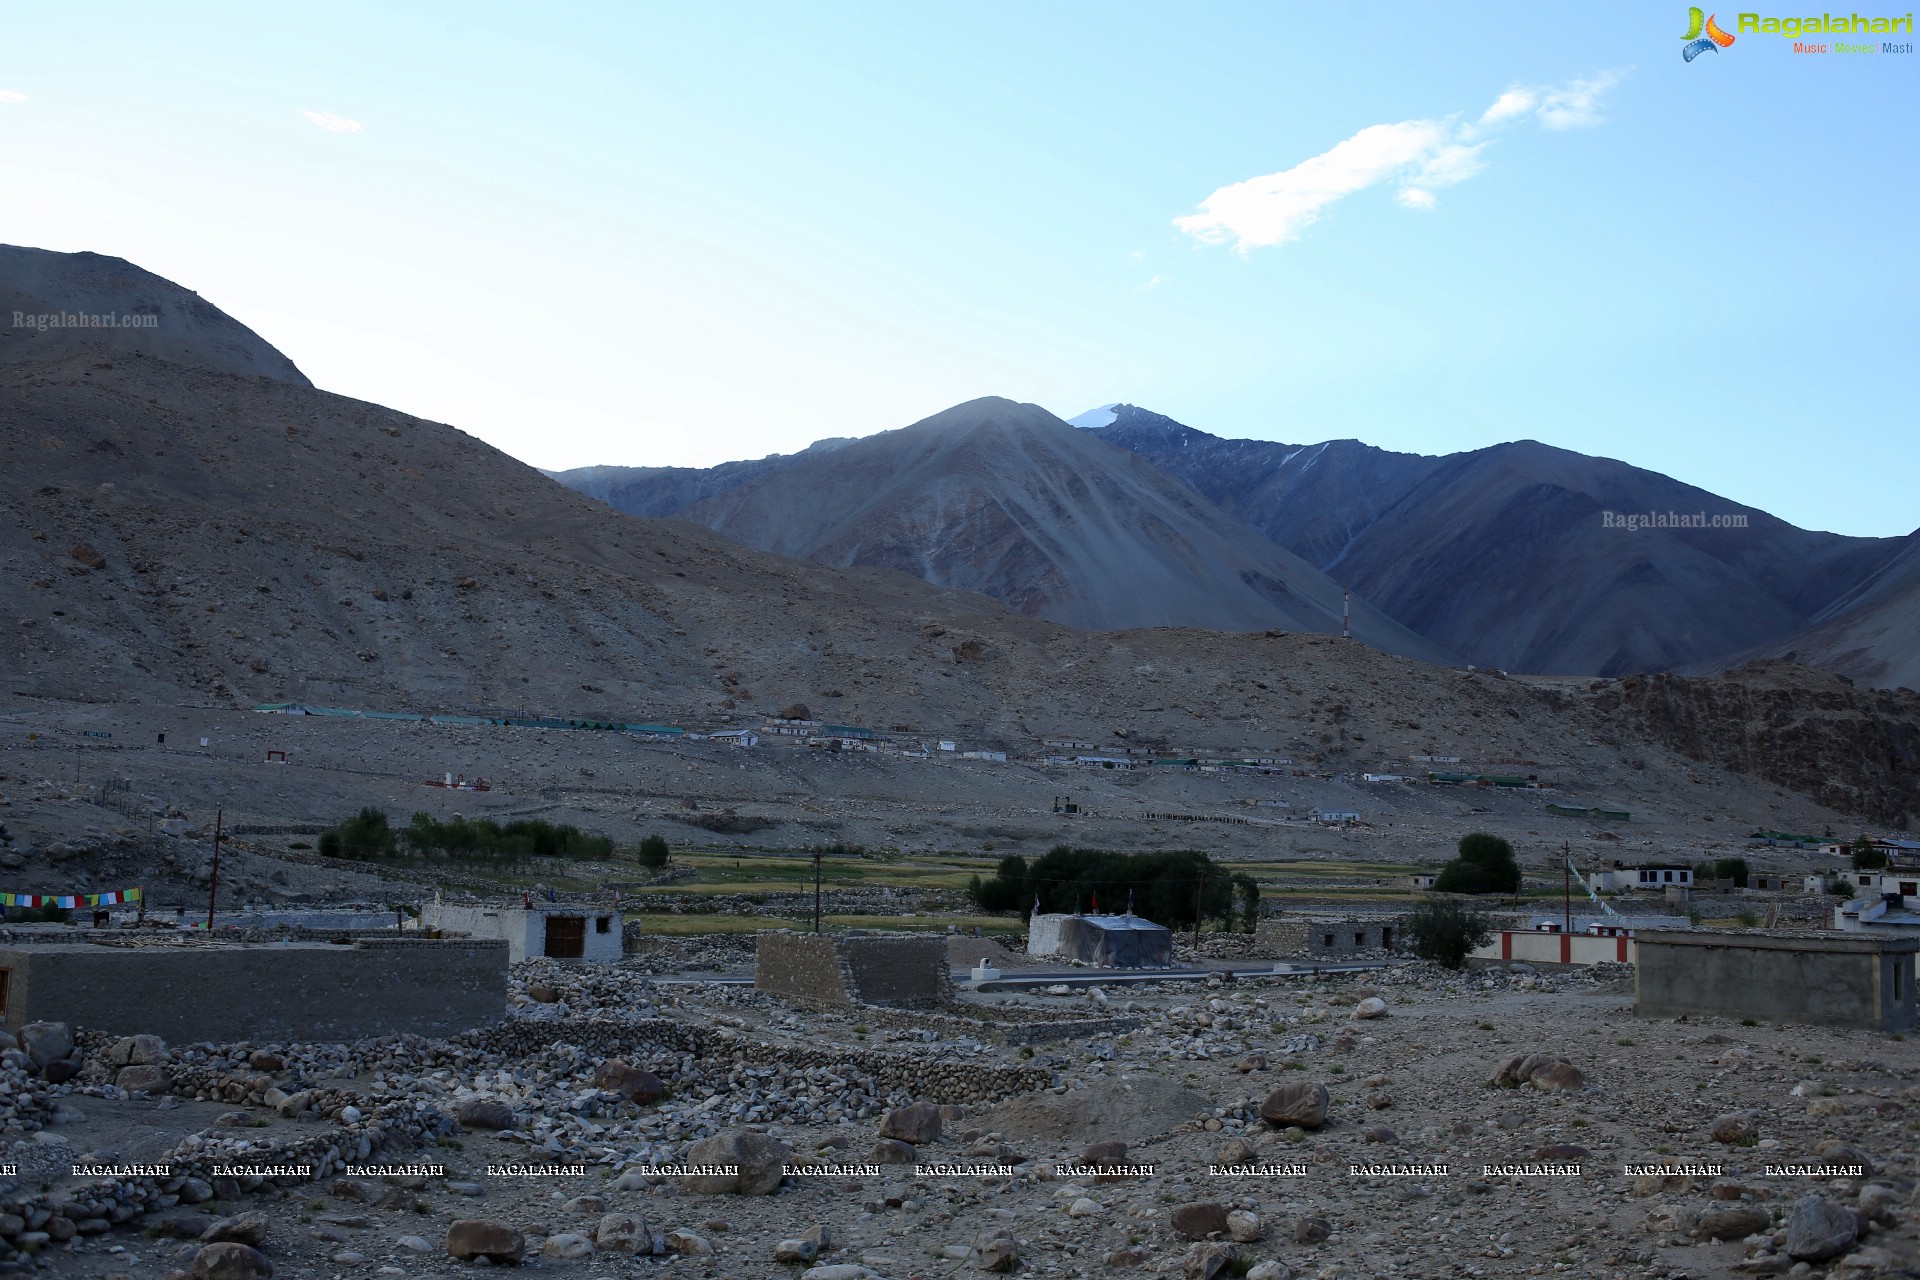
(213, 890)
(816, 890)
(1566, 886)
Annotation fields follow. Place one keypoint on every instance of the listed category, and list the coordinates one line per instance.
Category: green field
(666, 924)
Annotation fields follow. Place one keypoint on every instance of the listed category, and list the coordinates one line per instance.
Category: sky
(650, 234)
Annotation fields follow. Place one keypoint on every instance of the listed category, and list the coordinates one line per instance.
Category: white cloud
(10, 95)
(330, 122)
(1576, 104)
(1514, 102)
(1417, 156)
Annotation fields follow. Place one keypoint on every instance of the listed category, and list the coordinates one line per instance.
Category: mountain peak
(93, 304)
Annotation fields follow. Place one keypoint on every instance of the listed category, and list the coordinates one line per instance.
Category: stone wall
(287, 992)
(896, 970)
(1822, 980)
(1294, 938)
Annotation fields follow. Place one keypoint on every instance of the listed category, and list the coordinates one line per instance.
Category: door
(566, 937)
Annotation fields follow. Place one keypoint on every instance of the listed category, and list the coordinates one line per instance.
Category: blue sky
(653, 234)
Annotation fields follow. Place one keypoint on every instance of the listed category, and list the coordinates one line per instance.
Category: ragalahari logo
(1713, 41)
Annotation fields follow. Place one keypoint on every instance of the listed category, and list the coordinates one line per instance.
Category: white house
(1649, 876)
(1878, 914)
(559, 930)
(737, 737)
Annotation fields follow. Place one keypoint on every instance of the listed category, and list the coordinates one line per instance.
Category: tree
(1162, 887)
(1734, 869)
(1249, 891)
(654, 852)
(1445, 931)
(1485, 865)
(1867, 856)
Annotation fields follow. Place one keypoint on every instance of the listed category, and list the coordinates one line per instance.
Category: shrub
(1162, 886)
(1445, 931)
(654, 852)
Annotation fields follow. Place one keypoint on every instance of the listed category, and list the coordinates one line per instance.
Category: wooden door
(566, 937)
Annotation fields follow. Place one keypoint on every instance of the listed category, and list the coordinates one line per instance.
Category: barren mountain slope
(174, 535)
(1871, 635)
(87, 302)
(1008, 500)
(1503, 555)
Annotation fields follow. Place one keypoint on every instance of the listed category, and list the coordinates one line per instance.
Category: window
(1897, 967)
(603, 924)
(1327, 942)
(1359, 939)
(1909, 887)
(1386, 935)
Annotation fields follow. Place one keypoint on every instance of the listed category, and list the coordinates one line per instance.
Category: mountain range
(186, 521)
(1521, 556)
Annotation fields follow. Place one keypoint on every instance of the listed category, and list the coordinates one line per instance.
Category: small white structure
(1336, 816)
(1650, 875)
(557, 930)
(737, 737)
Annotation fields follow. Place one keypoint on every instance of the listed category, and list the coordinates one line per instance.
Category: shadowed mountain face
(86, 302)
(1504, 555)
(1871, 634)
(1008, 500)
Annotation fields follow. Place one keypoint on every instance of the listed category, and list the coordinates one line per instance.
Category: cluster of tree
(1166, 888)
(1734, 869)
(1446, 932)
(1485, 865)
(368, 835)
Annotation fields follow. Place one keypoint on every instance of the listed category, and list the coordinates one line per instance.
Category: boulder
(1107, 1152)
(795, 1252)
(1252, 1062)
(918, 1124)
(840, 1271)
(241, 1228)
(1234, 1151)
(1206, 1261)
(635, 1084)
(998, 1252)
(1311, 1230)
(1371, 1007)
(1818, 1230)
(64, 1069)
(1740, 1129)
(1243, 1226)
(622, 1233)
(687, 1243)
(1561, 1153)
(1560, 1077)
(136, 1051)
(471, 1238)
(1270, 1270)
(143, 1079)
(1521, 1068)
(46, 1042)
(567, 1246)
(1731, 1221)
(1201, 1219)
(180, 1226)
(485, 1113)
(892, 1151)
(230, 1261)
(1303, 1104)
(759, 1162)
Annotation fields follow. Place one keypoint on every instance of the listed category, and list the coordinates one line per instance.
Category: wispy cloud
(10, 95)
(1418, 157)
(330, 122)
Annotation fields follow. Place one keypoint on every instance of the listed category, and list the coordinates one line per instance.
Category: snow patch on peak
(1093, 419)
